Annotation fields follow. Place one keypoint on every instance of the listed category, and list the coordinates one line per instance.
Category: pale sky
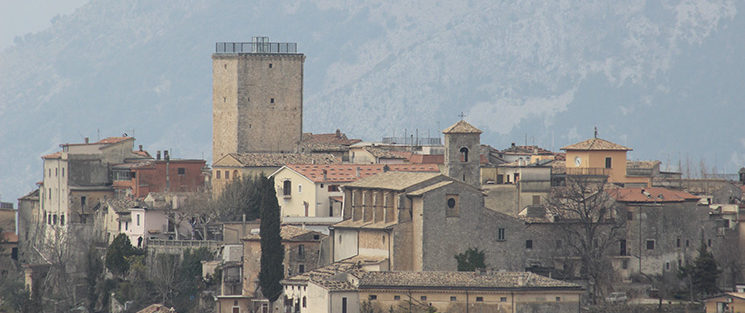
(20, 17)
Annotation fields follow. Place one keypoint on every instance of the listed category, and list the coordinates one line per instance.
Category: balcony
(588, 171)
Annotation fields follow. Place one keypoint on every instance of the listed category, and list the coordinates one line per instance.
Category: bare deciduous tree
(586, 216)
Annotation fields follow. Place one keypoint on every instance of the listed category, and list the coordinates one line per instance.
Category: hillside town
(391, 224)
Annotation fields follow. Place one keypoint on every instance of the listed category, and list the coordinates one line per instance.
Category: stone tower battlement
(257, 97)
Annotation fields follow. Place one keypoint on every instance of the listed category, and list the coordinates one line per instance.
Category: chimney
(87, 140)
(157, 155)
(165, 155)
(324, 175)
(338, 133)
(140, 148)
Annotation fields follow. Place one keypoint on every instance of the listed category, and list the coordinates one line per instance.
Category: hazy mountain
(666, 79)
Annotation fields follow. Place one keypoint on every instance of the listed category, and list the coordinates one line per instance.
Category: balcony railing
(256, 47)
(588, 171)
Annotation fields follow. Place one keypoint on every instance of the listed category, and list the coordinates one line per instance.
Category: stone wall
(257, 103)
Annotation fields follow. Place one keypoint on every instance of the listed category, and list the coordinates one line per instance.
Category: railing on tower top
(256, 47)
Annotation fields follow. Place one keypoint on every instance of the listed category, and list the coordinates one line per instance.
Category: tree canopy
(272, 251)
(703, 273)
(470, 260)
(117, 253)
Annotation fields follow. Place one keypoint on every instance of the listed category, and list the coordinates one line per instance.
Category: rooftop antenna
(461, 115)
(596, 132)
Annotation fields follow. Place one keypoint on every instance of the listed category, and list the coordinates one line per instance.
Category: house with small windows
(241, 290)
(338, 288)
(139, 178)
(78, 177)
(233, 166)
(313, 190)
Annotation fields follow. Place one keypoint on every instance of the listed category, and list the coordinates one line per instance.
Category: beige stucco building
(313, 190)
(599, 157)
(247, 165)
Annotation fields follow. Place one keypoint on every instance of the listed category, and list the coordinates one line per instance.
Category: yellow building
(246, 165)
(730, 302)
(351, 289)
(599, 157)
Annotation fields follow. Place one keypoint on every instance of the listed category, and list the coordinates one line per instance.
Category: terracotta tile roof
(596, 144)
(427, 158)
(111, 140)
(156, 308)
(424, 190)
(462, 127)
(642, 164)
(393, 180)
(656, 195)
(327, 276)
(142, 153)
(388, 154)
(280, 159)
(342, 173)
(448, 280)
(336, 138)
(526, 150)
(122, 205)
(55, 155)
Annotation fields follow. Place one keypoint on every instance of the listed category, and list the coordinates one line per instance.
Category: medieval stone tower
(257, 97)
(463, 153)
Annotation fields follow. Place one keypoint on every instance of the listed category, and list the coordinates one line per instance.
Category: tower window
(271, 100)
(270, 65)
(464, 154)
(452, 206)
(224, 99)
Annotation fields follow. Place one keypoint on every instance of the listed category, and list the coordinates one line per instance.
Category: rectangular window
(624, 264)
(63, 172)
(301, 268)
(181, 171)
(299, 188)
(55, 172)
(500, 234)
(479, 299)
(344, 305)
(687, 243)
(138, 220)
(677, 242)
(536, 200)
(423, 298)
(622, 244)
(333, 188)
(126, 226)
(301, 251)
(709, 242)
(607, 162)
(396, 298)
(54, 219)
(453, 298)
(227, 174)
(629, 215)
(558, 299)
(503, 299)
(372, 297)
(287, 188)
(83, 201)
(217, 174)
(529, 244)
(62, 220)
(650, 244)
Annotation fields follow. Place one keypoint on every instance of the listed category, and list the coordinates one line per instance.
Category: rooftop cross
(461, 115)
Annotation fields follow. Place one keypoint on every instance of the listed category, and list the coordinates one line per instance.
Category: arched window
(464, 154)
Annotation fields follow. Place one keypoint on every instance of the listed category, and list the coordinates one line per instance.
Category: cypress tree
(272, 251)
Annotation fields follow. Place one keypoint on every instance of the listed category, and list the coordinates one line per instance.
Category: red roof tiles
(596, 144)
(341, 173)
(111, 140)
(656, 195)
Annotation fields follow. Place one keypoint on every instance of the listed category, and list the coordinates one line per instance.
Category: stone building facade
(257, 97)
(462, 153)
